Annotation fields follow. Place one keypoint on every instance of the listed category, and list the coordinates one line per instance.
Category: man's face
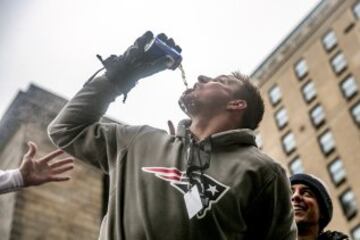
(209, 94)
(305, 205)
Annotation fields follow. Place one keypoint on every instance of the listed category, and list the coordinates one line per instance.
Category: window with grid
(349, 87)
(355, 113)
(348, 203)
(309, 91)
(356, 10)
(301, 69)
(337, 171)
(355, 232)
(275, 94)
(317, 115)
(289, 143)
(339, 63)
(329, 40)
(281, 118)
(327, 142)
(296, 166)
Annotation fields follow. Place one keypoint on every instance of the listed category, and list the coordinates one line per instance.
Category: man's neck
(205, 127)
(308, 232)
(308, 237)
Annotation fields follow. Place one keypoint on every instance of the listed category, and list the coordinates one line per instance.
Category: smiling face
(306, 207)
(209, 95)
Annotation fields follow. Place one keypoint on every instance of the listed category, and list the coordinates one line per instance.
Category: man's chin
(300, 217)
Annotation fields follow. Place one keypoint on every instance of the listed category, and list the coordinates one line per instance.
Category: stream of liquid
(183, 76)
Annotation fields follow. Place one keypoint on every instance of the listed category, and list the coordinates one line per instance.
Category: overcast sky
(53, 44)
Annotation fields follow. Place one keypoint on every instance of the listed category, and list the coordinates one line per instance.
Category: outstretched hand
(40, 171)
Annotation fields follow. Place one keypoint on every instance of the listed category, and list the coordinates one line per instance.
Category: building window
(349, 87)
(355, 113)
(337, 171)
(356, 10)
(288, 142)
(275, 95)
(296, 166)
(329, 41)
(355, 233)
(301, 69)
(338, 63)
(327, 142)
(348, 203)
(281, 118)
(309, 91)
(317, 115)
(258, 140)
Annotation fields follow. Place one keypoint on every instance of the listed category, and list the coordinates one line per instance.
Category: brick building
(69, 210)
(310, 84)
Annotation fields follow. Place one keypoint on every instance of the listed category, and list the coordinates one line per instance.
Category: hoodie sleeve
(77, 129)
(10, 180)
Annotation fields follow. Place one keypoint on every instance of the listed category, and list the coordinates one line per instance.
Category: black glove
(125, 70)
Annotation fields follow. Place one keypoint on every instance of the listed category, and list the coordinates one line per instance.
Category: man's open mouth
(298, 207)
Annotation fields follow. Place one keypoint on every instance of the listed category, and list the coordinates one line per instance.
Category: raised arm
(78, 130)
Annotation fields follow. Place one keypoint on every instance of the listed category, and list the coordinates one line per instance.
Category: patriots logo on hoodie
(211, 191)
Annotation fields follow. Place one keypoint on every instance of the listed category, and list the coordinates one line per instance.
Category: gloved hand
(125, 70)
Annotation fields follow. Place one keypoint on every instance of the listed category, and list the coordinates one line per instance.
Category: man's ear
(236, 105)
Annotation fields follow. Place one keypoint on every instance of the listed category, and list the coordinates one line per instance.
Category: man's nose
(296, 197)
(203, 79)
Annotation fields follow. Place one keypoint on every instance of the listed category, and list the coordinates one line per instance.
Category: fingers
(62, 169)
(62, 162)
(178, 48)
(170, 42)
(159, 65)
(59, 167)
(31, 151)
(59, 178)
(135, 50)
(162, 37)
(50, 156)
(143, 40)
(62, 165)
(171, 127)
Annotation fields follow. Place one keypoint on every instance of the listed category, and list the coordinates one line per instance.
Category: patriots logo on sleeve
(211, 191)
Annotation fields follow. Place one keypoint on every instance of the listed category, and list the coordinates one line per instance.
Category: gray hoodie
(244, 193)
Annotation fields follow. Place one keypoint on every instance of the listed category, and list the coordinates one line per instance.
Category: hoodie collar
(241, 136)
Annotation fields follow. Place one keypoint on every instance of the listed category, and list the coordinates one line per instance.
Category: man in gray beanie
(313, 208)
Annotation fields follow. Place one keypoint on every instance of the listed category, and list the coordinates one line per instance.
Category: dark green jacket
(245, 194)
(333, 235)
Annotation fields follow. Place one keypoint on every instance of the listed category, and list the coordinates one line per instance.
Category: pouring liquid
(183, 76)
